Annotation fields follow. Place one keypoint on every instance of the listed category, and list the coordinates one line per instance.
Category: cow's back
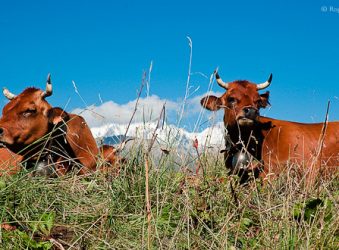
(82, 142)
(301, 144)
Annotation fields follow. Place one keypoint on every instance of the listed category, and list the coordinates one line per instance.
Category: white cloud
(111, 112)
(148, 109)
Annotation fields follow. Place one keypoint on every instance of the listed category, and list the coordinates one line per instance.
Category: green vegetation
(99, 211)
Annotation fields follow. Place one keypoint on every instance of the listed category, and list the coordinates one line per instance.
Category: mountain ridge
(167, 134)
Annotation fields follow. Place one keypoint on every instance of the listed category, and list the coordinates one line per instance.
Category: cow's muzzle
(247, 116)
(5, 140)
(1, 138)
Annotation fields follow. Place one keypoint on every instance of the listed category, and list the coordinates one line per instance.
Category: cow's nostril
(250, 113)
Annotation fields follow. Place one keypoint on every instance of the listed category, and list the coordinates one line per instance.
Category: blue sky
(104, 46)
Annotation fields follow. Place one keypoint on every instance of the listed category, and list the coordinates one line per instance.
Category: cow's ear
(57, 115)
(264, 99)
(211, 102)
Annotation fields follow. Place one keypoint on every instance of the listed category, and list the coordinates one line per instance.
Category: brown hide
(82, 142)
(303, 144)
(111, 160)
(9, 162)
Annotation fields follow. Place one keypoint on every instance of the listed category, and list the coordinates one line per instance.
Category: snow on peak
(166, 134)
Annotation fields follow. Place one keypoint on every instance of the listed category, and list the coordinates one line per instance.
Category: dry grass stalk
(143, 82)
(315, 169)
(147, 194)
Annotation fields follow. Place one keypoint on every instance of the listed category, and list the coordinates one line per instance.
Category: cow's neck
(250, 138)
(48, 149)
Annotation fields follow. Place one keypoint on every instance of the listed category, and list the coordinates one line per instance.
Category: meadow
(156, 203)
(177, 199)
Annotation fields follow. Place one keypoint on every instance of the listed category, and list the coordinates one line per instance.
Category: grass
(187, 211)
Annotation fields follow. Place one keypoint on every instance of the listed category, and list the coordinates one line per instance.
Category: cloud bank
(148, 109)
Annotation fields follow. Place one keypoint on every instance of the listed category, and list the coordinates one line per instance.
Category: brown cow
(265, 145)
(110, 160)
(9, 162)
(31, 128)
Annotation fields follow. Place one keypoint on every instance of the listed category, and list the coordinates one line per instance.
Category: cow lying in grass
(264, 145)
(40, 134)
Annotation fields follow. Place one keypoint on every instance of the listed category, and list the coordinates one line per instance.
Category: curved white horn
(122, 145)
(265, 84)
(8, 94)
(220, 81)
(49, 89)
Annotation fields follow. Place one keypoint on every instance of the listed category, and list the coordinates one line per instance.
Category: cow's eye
(28, 112)
(231, 100)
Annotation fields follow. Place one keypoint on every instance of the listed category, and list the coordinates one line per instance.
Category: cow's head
(26, 118)
(241, 102)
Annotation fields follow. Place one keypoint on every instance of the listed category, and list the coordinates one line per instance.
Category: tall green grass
(188, 211)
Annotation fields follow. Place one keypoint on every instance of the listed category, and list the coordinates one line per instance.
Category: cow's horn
(265, 84)
(122, 145)
(220, 81)
(49, 90)
(8, 94)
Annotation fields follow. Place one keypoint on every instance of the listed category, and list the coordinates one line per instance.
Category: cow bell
(43, 169)
(241, 160)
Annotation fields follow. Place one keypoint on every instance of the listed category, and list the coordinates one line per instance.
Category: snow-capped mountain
(168, 135)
